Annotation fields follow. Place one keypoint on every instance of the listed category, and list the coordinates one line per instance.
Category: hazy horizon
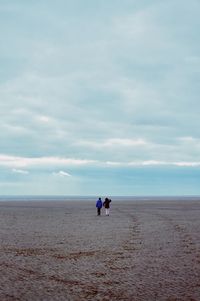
(57, 198)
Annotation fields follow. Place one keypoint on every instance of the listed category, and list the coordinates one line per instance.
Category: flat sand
(145, 250)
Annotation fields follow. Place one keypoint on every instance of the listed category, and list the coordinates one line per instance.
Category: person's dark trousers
(98, 211)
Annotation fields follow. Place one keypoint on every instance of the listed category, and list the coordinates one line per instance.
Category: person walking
(106, 205)
(99, 205)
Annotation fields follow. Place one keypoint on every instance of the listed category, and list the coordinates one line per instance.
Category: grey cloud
(132, 75)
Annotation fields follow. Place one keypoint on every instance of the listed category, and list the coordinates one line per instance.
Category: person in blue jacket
(99, 205)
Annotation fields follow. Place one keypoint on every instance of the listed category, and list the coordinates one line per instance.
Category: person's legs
(98, 211)
(107, 211)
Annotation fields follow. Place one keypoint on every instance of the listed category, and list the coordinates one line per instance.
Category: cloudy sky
(99, 97)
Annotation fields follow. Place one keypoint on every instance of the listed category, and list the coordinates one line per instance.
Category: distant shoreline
(57, 198)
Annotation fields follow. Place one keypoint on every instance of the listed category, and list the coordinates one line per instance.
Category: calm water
(92, 198)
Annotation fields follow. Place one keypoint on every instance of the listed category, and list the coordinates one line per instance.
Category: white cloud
(43, 119)
(13, 161)
(114, 142)
(14, 129)
(125, 142)
(154, 163)
(138, 26)
(186, 164)
(190, 140)
(20, 171)
(62, 174)
(113, 163)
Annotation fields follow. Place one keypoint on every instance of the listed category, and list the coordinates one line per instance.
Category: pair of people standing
(100, 204)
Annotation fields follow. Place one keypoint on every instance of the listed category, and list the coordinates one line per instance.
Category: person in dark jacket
(99, 205)
(106, 205)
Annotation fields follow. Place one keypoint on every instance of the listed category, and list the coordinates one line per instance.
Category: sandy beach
(145, 250)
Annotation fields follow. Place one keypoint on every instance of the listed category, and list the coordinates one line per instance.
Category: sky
(99, 97)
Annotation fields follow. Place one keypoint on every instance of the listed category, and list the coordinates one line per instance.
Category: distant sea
(93, 198)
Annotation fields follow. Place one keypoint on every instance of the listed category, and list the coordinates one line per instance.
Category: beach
(61, 250)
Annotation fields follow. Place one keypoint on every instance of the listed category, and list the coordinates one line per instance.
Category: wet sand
(63, 251)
